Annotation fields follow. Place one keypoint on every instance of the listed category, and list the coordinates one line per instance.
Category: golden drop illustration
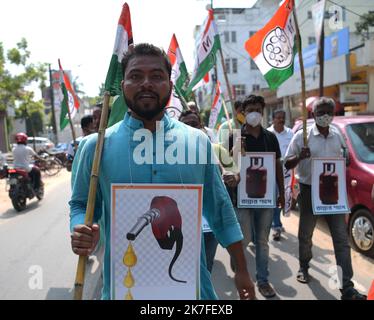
(129, 259)
(129, 280)
(129, 296)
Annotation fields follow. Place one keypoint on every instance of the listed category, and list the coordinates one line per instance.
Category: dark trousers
(339, 234)
(35, 176)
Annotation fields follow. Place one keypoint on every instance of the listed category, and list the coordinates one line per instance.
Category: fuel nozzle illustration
(166, 222)
(256, 178)
(142, 221)
(328, 184)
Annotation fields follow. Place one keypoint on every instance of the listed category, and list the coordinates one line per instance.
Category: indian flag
(179, 74)
(217, 113)
(70, 102)
(122, 43)
(179, 77)
(273, 48)
(114, 76)
(206, 51)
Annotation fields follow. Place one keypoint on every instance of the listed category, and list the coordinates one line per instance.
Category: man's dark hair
(146, 49)
(275, 112)
(86, 121)
(100, 106)
(253, 99)
(238, 104)
(186, 113)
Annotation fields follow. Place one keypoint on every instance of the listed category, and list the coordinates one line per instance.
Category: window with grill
(234, 65)
(233, 36)
(255, 87)
(239, 90)
(227, 65)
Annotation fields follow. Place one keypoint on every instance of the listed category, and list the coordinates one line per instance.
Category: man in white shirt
(284, 136)
(323, 141)
(23, 155)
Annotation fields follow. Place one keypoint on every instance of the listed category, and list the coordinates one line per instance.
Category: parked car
(41, 143)
(358, 133)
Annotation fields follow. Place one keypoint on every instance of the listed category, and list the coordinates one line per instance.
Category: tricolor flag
(273, 48)
(179, 77)
(206, 51)
(217, 113)
(70, 102)
(114, 76)
(122, 43)
(179, 74)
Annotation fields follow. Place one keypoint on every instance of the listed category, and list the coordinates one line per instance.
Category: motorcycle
(20, 187)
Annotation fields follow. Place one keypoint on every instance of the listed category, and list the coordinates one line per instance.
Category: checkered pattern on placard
(151, 269)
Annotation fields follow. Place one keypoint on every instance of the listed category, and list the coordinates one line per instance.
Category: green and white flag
(273, 48)
(206, 52)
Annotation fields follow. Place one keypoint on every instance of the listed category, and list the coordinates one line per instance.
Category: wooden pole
(79, 279)
(321, 53)
(303, 95)
(72, 130)
(228, 90)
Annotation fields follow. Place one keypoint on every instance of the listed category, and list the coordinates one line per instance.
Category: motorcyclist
(22, 155)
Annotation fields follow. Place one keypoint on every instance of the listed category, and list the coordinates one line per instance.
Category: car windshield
(362, 138)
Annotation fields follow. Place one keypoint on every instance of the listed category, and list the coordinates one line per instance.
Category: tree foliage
(14, 87)
(362, 27)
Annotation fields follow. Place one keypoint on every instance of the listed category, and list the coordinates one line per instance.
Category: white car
(41, 143)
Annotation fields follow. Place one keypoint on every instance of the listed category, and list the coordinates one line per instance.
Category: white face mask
(324, 121)
(253, 118)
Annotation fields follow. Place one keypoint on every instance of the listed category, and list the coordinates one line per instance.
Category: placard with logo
(257, 186)
(329, 191)
(155, 241)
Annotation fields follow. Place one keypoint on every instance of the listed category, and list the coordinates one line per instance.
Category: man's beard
(147, 114)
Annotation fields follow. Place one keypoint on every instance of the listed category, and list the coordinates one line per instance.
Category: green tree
(14, 89)
(362, 27)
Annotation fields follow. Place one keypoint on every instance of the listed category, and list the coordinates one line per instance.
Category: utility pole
(321, 60)
(55, 137)
(321, 55)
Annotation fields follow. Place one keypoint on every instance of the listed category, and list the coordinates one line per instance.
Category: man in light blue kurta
(120, 164)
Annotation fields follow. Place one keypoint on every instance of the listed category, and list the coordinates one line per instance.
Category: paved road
(39, 238)
(283, 265)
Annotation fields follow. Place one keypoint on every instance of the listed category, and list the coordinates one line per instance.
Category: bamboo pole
(72, 130)
(79, 279)
(303, 94)
(229, 91)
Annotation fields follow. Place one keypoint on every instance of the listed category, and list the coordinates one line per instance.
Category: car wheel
(361, 231)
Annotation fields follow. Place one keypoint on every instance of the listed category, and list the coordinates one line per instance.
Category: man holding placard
(324, 141)
(147, 87)
(258, 218)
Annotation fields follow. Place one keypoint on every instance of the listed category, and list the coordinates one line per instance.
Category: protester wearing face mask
(323, 141)
(256, 223)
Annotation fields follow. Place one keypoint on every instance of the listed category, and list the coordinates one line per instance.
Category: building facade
(235, 26)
